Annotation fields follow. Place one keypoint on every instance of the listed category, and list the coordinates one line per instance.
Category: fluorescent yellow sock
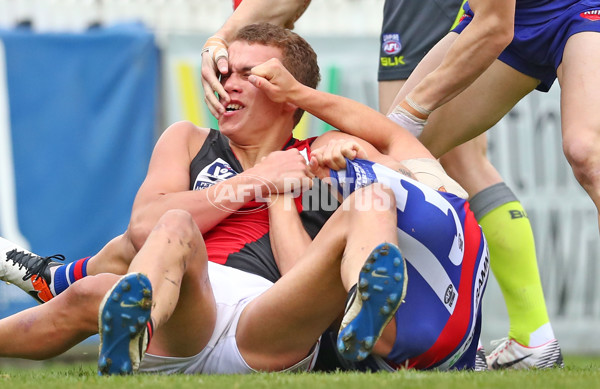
(514, 263)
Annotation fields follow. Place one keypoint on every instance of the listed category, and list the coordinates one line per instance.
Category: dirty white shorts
(233, 290)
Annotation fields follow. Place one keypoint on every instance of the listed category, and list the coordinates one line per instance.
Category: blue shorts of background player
(541, 34)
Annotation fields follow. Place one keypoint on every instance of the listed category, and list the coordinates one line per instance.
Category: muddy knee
(179, 225)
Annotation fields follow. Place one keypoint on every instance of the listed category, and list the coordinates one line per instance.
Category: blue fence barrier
(81, 112)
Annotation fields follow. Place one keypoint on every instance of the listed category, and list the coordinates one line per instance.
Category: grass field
(580, 372)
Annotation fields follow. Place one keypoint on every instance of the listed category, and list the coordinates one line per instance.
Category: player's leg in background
(510, 239)
(470, 167)
(387, 92)
(50, 329)
(491, 198)
(579, 110)
(499, 212)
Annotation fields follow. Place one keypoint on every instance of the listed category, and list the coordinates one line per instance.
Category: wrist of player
(405, 119)
(410, 115)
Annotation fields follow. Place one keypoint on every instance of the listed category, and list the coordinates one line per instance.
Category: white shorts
(233, 290)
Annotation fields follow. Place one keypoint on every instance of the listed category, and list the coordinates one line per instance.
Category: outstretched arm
(470, 55)
(473, 51)
(345, 114)
(393, 143)
(280, 12)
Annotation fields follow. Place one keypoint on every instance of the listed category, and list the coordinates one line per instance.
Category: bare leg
(114, 257)
(174, 258)
(280, 327)
(468, 164)
(387, 93)
(579, 110)
(173, 253)
(476, 109)
(510, 239)
(48, 330)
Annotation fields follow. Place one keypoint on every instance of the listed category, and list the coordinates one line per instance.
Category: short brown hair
(298, 56)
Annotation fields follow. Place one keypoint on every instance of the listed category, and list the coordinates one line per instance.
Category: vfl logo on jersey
(593, 15)
(391, 44)
(214, 173)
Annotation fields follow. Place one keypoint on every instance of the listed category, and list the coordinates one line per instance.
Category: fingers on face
(223, 65)
(210, 85)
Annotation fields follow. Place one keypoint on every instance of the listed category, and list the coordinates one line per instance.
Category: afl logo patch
(391, 44)
(592, 15)
(450, 295)
(465, 16)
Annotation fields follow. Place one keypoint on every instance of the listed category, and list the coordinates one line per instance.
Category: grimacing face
(249, 109)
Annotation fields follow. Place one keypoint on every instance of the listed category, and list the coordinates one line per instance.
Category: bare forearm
(470, 55)
(280, 12)
(288, 237)
(207, 206)
(359, 120)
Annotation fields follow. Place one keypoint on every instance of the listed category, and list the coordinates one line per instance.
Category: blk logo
(516, 214)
